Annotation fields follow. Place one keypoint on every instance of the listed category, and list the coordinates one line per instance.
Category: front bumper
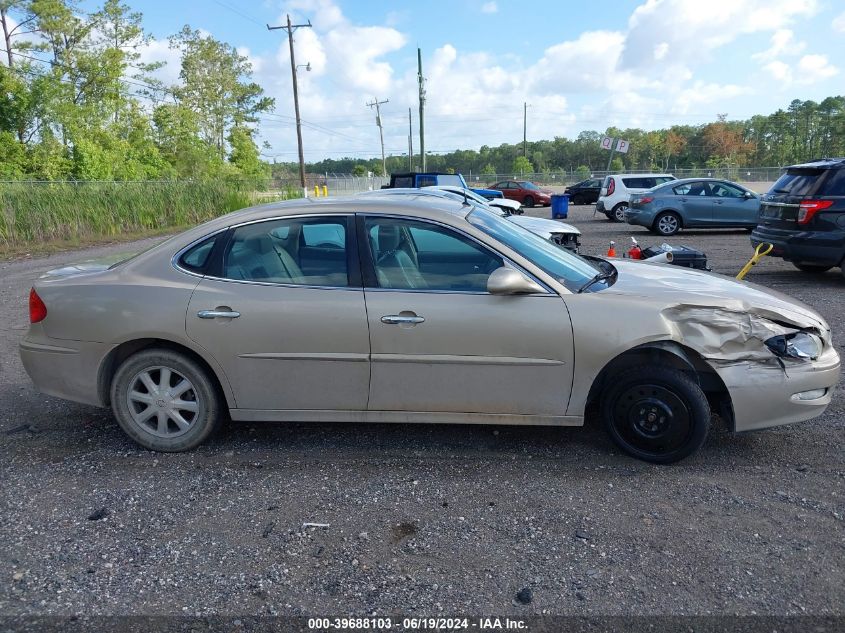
(763, 395)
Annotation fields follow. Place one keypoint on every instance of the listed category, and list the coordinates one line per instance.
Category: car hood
(677, 286)
(543, 226)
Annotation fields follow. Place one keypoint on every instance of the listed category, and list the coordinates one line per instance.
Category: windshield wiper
(781, 190)
(602, 276)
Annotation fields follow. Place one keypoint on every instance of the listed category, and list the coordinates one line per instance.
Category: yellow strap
(763, 249)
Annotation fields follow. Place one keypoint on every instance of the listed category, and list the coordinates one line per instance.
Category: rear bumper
(813, 247)
(65, 369)
(764, 396)
(600, 206)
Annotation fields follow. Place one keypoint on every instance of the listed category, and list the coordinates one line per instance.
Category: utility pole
(376, 103)
(524, 127)
(290, 28)
(421, 81)
(410, 142)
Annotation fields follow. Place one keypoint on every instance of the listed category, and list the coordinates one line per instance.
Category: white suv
(616, 192)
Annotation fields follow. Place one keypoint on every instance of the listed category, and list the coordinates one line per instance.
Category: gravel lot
(425, 520)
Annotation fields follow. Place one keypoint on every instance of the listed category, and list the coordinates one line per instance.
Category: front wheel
(657, 414)
(165, 401)
(811, 268)
(667, 224)
(619, 212)
(528, 201)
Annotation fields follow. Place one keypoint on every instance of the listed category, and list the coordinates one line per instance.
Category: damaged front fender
(733, 334)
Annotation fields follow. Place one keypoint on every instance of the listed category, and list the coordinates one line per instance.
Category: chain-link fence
(337, 184)
(736, 174)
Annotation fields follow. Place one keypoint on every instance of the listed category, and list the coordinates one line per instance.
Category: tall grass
(36, 212)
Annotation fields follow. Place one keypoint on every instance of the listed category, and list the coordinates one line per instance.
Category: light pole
(290, 28)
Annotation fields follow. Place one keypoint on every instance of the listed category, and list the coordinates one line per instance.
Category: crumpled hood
(678, 286)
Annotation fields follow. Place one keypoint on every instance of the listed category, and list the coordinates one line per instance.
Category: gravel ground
(425, 520)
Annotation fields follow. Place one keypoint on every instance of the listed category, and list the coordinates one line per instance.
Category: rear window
(403, 182)
(798, 182)
(195, 258)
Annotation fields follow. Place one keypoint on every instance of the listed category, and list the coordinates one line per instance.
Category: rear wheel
(528, 201)
(619, 212)
(165, 401)
(811, 268)
(667, 223)
(657, 414)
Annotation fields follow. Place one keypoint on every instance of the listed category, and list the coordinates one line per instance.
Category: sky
(579, 65)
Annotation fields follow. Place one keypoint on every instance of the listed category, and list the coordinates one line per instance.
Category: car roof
(680, 181)
(639, 175)
(820, 163)
(425, 205)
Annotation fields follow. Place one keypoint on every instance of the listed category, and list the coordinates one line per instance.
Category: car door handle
(398, 319)
(218, 314)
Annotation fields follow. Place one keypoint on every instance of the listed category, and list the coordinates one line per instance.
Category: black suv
(803, 216)
(584, 192)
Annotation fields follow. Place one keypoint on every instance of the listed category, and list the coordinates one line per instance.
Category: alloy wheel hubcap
(667, 224)
(620, 213)
(163, 402)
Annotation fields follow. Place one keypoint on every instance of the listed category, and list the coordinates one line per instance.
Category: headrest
(259, 244)
(389, 237)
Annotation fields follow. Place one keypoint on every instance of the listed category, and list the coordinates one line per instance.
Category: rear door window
(636, 183)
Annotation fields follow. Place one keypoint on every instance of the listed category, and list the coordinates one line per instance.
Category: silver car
(409, 310)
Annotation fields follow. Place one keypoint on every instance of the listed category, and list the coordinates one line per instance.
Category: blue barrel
(560, 205)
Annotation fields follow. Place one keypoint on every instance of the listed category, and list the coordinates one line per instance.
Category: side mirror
(507, 281)
(748, 194)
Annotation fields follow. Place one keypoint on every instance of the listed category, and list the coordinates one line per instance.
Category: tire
(667, 223)
(528, 201)
(618, 212)
(149, 417)
(811, 268)
(638, 394)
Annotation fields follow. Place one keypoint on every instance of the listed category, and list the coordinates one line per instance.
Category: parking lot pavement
(421, 519)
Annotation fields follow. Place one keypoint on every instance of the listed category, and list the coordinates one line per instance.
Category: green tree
(215, 85)
(522, 165)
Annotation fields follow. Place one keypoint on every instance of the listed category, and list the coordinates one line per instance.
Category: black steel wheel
(657, 414)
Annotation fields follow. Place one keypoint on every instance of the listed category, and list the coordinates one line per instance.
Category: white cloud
(783, 43)
(689, 30)
(489, 7)
(839, 23)
(814, 68)
(779, 71)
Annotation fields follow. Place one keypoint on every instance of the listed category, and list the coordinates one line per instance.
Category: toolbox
(681, 256)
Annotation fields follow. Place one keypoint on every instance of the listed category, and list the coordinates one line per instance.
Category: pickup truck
(415, 180)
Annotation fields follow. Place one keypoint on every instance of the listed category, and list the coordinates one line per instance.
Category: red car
(525, 192)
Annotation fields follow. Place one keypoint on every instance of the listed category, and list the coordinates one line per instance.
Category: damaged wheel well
(670, 354)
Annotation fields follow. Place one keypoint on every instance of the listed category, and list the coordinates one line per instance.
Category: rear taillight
(37, 309)
(808, 208)
(611, 187)
(646, 200)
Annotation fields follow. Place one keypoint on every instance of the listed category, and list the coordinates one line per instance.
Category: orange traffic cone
(611, 252)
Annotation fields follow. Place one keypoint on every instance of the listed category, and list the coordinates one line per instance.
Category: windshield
(529, 185)
(568, 268)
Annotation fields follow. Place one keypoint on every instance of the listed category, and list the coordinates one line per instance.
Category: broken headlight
(802, 345)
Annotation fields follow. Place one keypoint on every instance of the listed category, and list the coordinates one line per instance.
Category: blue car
(694, 203)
